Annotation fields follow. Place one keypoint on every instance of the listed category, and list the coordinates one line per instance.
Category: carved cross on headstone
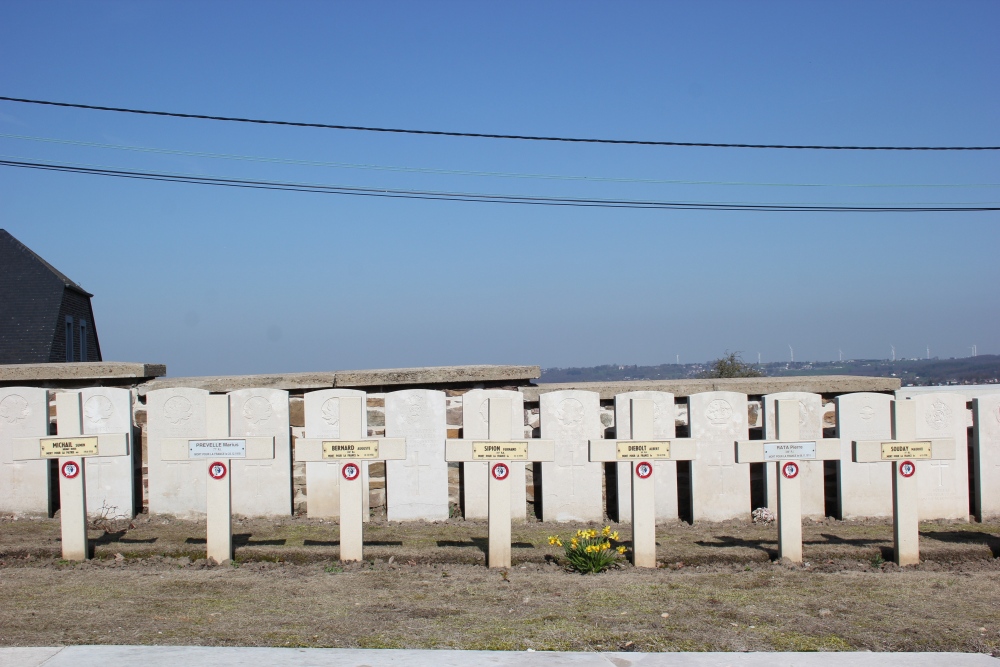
(641, 450)
(350, 453)
(71, 449)
(498, 451)
(218, 449)
(903, 450)
(787, 452)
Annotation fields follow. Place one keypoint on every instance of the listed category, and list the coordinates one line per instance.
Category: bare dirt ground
(424, 586)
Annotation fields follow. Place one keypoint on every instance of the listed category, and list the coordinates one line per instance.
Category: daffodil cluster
(590, 550)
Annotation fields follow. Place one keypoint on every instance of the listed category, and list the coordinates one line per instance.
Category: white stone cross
(350, 452)
(787, 452)
(641, 450)
(903, 450)
(499, 451)
(218, 449)
(71, 449)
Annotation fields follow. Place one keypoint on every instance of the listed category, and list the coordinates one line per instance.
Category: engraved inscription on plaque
(353, 449)
(491, 449)
(634, 449)
(223, 449)
(905, 450)
(55, 447)
(789, 451)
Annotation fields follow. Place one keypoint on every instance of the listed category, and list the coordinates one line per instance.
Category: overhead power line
(483, 135)
(481, 197)
(490, 174)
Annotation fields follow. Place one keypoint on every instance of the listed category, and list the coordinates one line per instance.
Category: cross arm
(760, 451)
(678, 449)
(870, 451)
(532, 449)
(333, 449)
(105, 444)
(255, 447)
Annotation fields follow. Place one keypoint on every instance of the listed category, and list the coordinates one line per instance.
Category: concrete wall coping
(817, 384)
(434, 375)
(79, 370)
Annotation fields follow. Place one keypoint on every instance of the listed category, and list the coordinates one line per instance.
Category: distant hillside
(983, 369)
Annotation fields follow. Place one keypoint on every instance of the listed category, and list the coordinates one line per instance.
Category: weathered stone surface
(665, 472)
(358, 379)
(811, 478)
(819, 384)
(986, 452)
(475, 424)
(262, 487)
(80, 370)
(109, 479)
(571, 485)
(417, 486)
(720, 487)
(865, 488)
(24, 485)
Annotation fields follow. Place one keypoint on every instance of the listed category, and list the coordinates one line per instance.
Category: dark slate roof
(31, 292)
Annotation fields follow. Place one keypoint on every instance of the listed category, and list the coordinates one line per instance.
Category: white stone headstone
(865, 488)
(986, 443)
(176, 488)
(811, 478)
(24, 485)
(665, 472)
(475, 424)
(720, 487)
(943, 485)
(263, 487)
(110, 479)
(322, 420)
(571, 484)
(417, 486)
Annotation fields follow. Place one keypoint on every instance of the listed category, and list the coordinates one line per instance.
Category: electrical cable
(481, 197)
(483, 135)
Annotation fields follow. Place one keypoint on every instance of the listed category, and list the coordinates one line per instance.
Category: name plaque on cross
(493, 450)
(53, 448)
(341, 449)
(653, 449)
(790, 451)
(892, 451)
(210, 449)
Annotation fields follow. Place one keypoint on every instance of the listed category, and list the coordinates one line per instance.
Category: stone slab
(720, 487)
(435, 375)
(571, 485)
(986, 456)
(417, 487)
(24, 485)
(176, 488)
(262, 487)
(79, 370)
(865, 488)
(665, 472)
(943, 485)
(323, 420)
(110, 479)
(225, 656)
(476, 425)
(816, 384)
(811, 479)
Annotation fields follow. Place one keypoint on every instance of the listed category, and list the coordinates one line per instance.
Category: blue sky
(214, 280)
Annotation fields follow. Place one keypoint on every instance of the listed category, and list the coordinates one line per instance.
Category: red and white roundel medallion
(790, 470)
(350, 471)
(907, 468)
(643, 469)
(500, 471)
(217, 470)
(70, 469)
